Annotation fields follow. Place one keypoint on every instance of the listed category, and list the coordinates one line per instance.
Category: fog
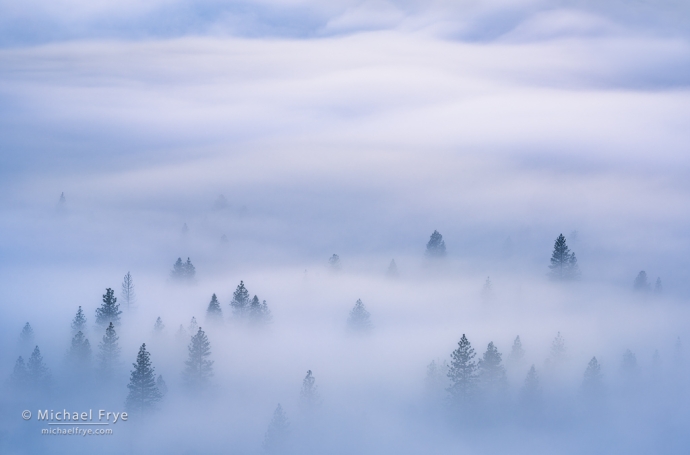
(258, 139)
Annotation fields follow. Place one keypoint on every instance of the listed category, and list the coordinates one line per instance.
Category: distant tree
(158, 327)
(436, 380)
(198, 369)
(278, 432)
(334, 262)
(128, 294)
(517, 352)
(641, 284)
(185, 230)
(109, 310)
(193, 325)
(530, 394)
(359, 320)
(658, 288)
(491, 373)
(79, 322)
(436, 247)
(26, 336)
(62, 201)
(240, 301)
(629, 363)
(309, 395)
(558, 351)
(20, 375)
(109, 351)
(143, 392)
(221, 203)
(488, 291)
(38, 373)
(392, 271)
(592, 384)
(183, 272)
(214, 314)
(563, 262)
(181, 334)
(258, 312)
(463, 372)
(79, 355)
(190, 270)
(162, 386)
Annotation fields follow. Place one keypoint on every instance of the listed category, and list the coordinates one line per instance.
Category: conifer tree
(641, 284)
(79, 322)
(181, 334)
(189, 270)
(158, 327)
(183, 272)
(592, 384)
(530, 394)
(392, 271)
(79, 355)
(214, 314)
(198, 369)
(629, 363)
(517, 352)
(491, 373)
(309, 395)
(26, 337)
(240, 301)
(436, 246)
(128, 294)
(563, 262)
(436, 380)
(109, 350)
(488, 291)
(334, 263)
(558, 351)
(162, 386)
(109, 310)
(359, 320)
(463, 372)
(258, 312)
(20, 374)
(193, 326)
(278, 432)
(143, 393)
(658, 288)
(38, 373)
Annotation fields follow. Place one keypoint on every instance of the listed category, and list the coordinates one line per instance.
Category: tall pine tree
(109, 351)
(109, 310)
(38, 373)
(199, 369)
(593, 384)
(214, 314)
(530, 394)
(277, 434)
(491, 374)
(79, 322)
(128, 294)
(563, 262)
(359, 320)
(309, 395)
(20, 375)
(79, 355)
(463, 373)
(258, 312)
(517, 352)
(240, 301)
(436, 246)
(26, 337)
(143, 391)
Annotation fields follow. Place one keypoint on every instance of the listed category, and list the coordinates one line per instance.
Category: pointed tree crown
(109, 311)
(436, 246)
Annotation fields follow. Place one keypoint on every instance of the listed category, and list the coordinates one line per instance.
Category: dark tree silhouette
(463, 373)
(359, 320)
(143, 392)
(158, 327)
(26, 337)
(38, 372)
(563, 263)
(79, 322)
(258, 312)
(491, 373)
(198, 369)
(183, 272)
(334, 262)
(214, 314)
(109, 310)
(278, 432)
(641, 284)
(79, 355)
(240, 301)
(436, 246)
(309, 395)
(109, 351)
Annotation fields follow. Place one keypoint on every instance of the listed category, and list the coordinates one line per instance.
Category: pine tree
(109, 310)
(517, 352)
(436, 380)
(658, 288)
(334, 263)
(38, 373)
(143, 392)
(558, 351)
(20, 374)
(463, 372)
(177, 273)
(359, 320)
(181, 334)
(109, 350)
(214, 314)
(79, 322)
(309, 395)
(189, 270)
(158, 327)
(629, 363)
(258, 312)
(240, 301)
(79, 355)
(278, 432)
(488, 291)
(26, 336)
(392, 271)
(162, 386)
(563, 262)
(128, 294)
(491, 373)
(592, 384)
(193, 325)
(198, 369)
(641, 284)
(184, 230)
(530, 394)
(436, 246)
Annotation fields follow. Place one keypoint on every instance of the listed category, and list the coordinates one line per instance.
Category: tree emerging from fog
(258, 313)
(593, 383)
(79, 322)
(463, 373)
(275, 440)
(530, 394)
(198, 368)
(20, 375)
(563, 262)
(143, 391)
(128, 294)
(359, 319)
(517, 352)
(392, 271)
(183, 272)
(109, 310)
(79, 355)
(436, 246)
(334, 263)
(240, 301)
(641, 284)
(309, 394)
(214, 314)
(109, 351)
(26, 337)
(491, 374)
(38, 373)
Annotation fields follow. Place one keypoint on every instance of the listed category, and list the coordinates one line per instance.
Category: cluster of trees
(183, 272)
